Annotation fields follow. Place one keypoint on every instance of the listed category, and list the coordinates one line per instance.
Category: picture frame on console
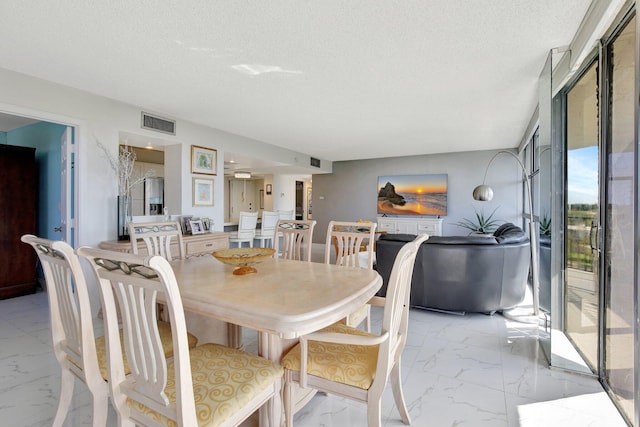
(185, 223)
(197, 227)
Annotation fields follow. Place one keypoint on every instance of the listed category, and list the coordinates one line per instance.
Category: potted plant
(481, 224)
(545, 226)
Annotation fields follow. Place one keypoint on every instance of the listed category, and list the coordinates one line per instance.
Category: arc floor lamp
(485, 193)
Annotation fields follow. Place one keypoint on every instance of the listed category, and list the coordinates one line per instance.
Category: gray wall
(351, 193)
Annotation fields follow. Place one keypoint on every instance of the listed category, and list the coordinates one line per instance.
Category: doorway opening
(299, 200)
(54, 160)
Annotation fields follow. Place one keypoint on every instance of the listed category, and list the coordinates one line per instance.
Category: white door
(242, 197)
(67, 155)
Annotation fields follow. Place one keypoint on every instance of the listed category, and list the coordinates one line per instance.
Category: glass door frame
(636, 199)
(605, 135)
(601, 55)
(568, 356)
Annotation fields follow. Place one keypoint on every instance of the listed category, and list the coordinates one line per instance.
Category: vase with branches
(122, 166)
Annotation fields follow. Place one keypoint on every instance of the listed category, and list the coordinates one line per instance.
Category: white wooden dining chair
(352, 363)
(296, 239)
(285, 214)
(247, 222)
(210, 385)
(79, 353)
(268, 229)
(158, 238)
(74, 342)
(282, 215)
(353, 244)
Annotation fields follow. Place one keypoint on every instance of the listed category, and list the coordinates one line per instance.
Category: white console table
(403, 225)
(194, 245)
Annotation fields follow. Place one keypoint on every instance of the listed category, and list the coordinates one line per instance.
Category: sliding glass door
(599, 295)
(581, 296)
(618, 356)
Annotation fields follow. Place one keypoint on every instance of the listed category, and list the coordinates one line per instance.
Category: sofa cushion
(509, 233)
(398, 237)
(461, 240)
(505, 228)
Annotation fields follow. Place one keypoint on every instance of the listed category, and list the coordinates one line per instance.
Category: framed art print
(203, 160)
(202, 192)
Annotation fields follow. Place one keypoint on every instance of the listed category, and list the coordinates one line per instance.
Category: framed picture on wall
(202, 192)
(203, 160)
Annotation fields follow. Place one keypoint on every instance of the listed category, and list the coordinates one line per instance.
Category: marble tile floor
(472, 370)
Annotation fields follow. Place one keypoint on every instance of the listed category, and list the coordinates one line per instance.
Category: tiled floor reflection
(472, 370)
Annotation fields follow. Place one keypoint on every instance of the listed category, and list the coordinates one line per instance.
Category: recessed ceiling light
(257, 69)
(242, 175)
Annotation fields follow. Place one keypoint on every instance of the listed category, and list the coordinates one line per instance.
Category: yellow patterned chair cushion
(344, 363)
(164, 330)
(224, 380)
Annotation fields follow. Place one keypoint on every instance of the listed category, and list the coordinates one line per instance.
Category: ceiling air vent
(315, 162)
(158, 124)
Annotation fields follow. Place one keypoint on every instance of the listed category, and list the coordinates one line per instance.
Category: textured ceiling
(335, 79)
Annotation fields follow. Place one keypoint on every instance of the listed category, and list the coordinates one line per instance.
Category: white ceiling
(336, 79)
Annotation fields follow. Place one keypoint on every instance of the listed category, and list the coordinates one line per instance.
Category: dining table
(283, 300)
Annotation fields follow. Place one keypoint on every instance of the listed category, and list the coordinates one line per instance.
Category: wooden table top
(285, 298)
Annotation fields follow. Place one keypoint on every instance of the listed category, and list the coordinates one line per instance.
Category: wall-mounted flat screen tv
(412, 194)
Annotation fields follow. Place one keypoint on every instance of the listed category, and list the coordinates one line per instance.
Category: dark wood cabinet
(18, 200)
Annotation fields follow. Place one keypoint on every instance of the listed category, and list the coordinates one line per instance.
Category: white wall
(99, 119)
(351, 193)
(173, 179)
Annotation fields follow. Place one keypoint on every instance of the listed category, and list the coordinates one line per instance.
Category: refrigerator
(153, 196)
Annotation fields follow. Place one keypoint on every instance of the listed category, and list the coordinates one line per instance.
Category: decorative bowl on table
(243, 258)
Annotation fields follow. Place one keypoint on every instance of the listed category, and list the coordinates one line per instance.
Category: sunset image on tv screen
(412, 194)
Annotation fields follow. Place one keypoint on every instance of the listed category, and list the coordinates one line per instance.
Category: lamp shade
(483, 193)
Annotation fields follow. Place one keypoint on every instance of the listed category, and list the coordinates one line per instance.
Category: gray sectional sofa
(463, 273)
